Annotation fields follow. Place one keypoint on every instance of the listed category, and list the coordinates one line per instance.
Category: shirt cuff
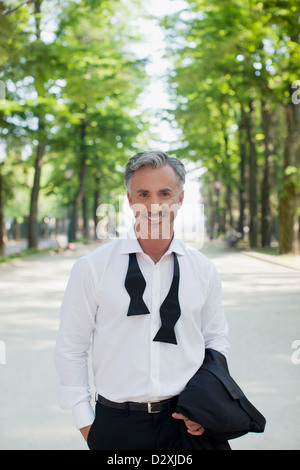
(83, 414)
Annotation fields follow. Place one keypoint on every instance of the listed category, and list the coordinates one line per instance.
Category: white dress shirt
(127, 364)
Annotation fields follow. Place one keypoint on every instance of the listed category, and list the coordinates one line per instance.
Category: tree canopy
(71, 115)
(235, 82)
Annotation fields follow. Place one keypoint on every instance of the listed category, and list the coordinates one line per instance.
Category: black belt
(150, 407)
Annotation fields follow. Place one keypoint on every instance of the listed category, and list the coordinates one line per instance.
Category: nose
(154, 208)
(152, 203)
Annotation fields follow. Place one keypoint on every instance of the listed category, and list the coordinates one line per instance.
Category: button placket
(154, 347)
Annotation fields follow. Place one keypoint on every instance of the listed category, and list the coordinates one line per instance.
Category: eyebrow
(147, 190)
(142, 191)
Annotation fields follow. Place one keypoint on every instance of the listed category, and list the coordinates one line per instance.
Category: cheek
(138, 208)
(171, 208)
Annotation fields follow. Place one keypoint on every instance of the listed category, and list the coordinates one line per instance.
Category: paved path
(262, 302)
(13, 246)
(262, 305)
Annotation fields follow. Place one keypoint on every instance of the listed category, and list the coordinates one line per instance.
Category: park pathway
(262, 305)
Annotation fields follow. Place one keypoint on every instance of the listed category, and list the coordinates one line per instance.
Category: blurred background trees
(236, 82)
(69, 118)
(71, 115)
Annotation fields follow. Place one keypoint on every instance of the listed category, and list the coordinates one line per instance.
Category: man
(145, 349)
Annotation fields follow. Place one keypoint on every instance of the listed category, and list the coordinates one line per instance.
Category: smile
(154, 219)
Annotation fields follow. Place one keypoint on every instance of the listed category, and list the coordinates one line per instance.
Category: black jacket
(214, 400)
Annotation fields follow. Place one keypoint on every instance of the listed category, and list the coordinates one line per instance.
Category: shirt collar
(130, 244)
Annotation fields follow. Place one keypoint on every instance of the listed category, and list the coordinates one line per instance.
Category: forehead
(154, 178)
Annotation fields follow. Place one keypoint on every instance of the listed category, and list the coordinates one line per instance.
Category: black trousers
(115, 429)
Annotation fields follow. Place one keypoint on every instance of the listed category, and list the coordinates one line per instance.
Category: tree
(30, 67)
(71, 91)
(247, 53)
(101, 89)
(10, 43)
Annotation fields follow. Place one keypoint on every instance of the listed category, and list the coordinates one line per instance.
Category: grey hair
(154, 159)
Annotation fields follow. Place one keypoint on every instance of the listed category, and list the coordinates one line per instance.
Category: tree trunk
(229, 216)
(81, 189)
(33, 232)
(97, 201)
(85, 216)
(1, 215)
(265, 186)
(252, 177)
(242, 194)
(287, 204)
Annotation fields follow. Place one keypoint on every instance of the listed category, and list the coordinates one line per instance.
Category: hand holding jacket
(193, 428)
(214, 399)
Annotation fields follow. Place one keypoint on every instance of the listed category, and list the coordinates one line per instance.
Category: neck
(155, 247)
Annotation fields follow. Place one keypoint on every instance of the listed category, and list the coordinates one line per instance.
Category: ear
(181, 197)
(129, 198)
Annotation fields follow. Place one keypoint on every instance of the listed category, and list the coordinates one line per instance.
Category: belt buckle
(150, 408)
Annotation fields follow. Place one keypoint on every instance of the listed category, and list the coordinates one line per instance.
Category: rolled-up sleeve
(77, 323)
(214, 324)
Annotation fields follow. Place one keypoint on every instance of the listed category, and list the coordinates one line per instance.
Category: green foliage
(67, 65)
(228, 58)
(72, 85)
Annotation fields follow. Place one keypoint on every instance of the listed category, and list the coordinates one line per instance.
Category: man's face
(155, 200)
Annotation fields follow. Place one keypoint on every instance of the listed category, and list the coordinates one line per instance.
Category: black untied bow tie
(135, 285)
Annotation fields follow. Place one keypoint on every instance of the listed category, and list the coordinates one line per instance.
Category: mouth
(155, 218)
